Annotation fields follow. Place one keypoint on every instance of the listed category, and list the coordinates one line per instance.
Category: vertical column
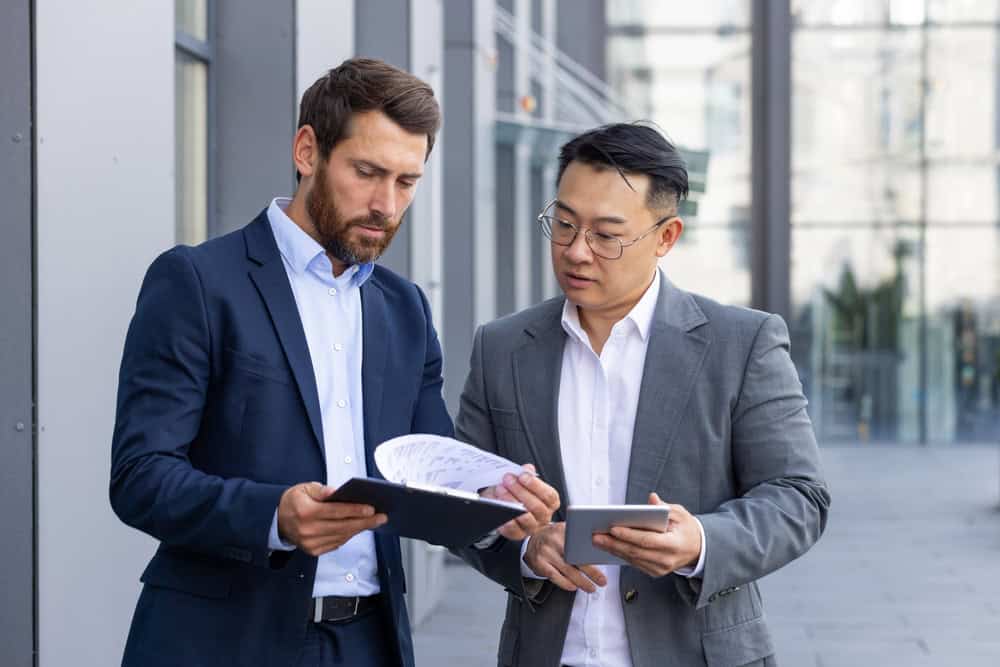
(255, 88)
(17, 512)
(425, 562)
(93, 245)
(382, 30)
(469, 218)
(550, 36)
(521, 224)
(426, 212)
(771, 156)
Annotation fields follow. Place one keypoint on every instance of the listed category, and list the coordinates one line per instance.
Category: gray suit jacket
(721, 428)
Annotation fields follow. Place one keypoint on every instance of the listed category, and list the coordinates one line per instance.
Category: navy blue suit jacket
(217, 415)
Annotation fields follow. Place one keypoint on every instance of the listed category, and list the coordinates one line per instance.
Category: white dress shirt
(330, 310)
(598, 398)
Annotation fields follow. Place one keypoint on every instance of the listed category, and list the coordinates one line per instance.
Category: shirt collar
(301, 251)
(641, 315)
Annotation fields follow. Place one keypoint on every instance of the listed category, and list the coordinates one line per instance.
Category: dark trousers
(364, 641)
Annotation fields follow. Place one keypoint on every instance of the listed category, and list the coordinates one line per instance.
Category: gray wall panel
(469, 187)
(581, 33)
(255, 115)
(505, 207)
(382, 30)
(17, 570)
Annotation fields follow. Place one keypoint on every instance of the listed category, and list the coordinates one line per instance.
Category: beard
(334, 231)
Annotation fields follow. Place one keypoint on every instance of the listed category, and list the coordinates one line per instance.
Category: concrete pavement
(907, 574)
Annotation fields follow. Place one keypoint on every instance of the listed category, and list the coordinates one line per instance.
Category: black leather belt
(336, 608)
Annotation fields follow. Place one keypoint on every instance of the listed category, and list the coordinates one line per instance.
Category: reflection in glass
(191, 150)
(700, 97)
(679, 14)
(895, 207)
(854, 311)
(956, 11)
(191, 16)
(963, 303)
(856, 126)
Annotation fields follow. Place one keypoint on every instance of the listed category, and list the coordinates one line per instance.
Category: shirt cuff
(525, 570)
(692, 572)
(274, 541)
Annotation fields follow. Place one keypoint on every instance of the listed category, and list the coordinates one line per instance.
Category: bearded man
(260, 371)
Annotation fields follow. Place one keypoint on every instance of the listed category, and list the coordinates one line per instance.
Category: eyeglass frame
(588, 233)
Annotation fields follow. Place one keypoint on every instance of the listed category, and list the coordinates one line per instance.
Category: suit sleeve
(500, 562)
(782, 501)
(430, 415)
(162, 392)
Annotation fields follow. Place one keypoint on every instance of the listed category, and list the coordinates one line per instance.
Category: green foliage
(869, 318)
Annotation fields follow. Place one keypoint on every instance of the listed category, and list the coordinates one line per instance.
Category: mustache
(372, 221)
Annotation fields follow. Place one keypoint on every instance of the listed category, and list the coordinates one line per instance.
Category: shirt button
(338, 347)
(599, 481)
(332, 291)
(341, 403)
(349, 578)
(593, 653)
(347, 459)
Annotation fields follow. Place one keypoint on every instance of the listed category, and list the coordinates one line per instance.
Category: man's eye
(605, 237)
(562, 224)
(406, 185)
(364, 173)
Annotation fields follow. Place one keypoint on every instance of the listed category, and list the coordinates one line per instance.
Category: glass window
(855, 309)
(191, 149)
(191, 17)
(700, 97)
(958, 11)
(963, 320)
(856, 126)
(895, 210)
(839, 12)
(191, 120)
(679, 14)
(847, 13)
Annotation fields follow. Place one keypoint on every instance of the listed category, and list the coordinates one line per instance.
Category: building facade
(844, 159)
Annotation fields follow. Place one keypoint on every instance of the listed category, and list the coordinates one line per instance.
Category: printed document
(433, 460)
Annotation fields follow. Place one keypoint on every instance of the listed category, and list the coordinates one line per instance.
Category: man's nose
(579, 251)
(383, 202)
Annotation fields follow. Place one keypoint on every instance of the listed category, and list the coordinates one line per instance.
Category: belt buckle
(318, 610)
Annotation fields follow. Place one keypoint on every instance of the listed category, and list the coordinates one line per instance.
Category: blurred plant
(869, 318)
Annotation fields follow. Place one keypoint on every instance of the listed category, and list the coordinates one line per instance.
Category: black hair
(632, 148)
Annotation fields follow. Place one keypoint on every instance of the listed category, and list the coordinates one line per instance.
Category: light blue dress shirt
(330, 309)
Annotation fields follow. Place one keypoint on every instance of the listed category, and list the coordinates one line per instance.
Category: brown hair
(365, 84)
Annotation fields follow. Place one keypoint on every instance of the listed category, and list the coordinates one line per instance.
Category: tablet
(582, 521)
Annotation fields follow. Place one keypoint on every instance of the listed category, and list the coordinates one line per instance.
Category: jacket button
(631, 595)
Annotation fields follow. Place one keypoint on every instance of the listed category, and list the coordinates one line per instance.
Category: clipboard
(434, 514)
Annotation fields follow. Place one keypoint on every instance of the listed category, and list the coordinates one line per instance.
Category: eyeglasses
(603, 245)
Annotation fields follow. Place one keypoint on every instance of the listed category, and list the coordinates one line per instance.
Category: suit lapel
(537, 367)
(272, 283)
(674, 358)
(375, 343)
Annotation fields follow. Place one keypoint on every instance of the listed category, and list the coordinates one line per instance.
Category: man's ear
(305, 151)
(668, 235)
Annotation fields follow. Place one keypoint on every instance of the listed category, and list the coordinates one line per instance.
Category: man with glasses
(629, 390)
